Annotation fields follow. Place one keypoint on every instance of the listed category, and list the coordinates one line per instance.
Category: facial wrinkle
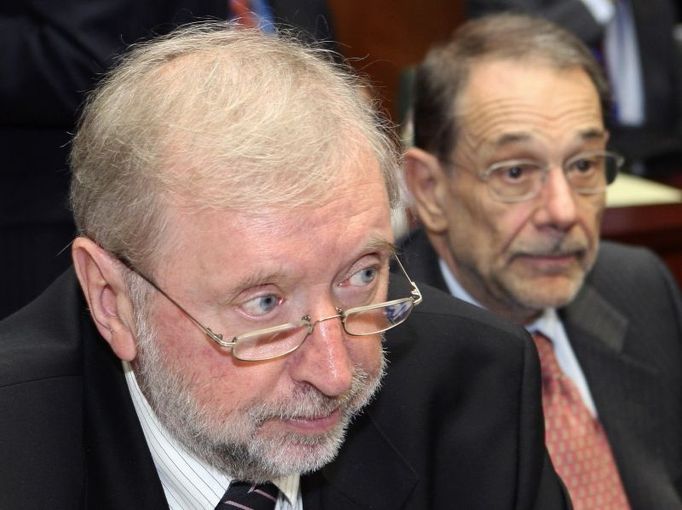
(495, 116)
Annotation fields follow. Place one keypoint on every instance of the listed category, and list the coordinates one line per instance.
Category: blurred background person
(272, 226)
(634, 41)
(52, 55)
(509, 175)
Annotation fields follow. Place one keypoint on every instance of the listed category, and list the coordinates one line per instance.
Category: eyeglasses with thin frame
(276, 341)
(517, 180)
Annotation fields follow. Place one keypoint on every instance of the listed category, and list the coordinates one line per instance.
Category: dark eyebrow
(592, 134)
(512, 138)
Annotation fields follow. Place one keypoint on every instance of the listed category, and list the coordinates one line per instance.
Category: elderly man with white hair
(233, 195)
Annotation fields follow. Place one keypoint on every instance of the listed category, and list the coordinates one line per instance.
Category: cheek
(591, 214)
(513, 224)
(483, 230)
(227, 385)
(212, 374)
(591, 225)
(466, 217)
(181, 343)
(366, 352)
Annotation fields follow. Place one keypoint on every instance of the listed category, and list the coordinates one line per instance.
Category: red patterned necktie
(576, 440)
(248, 496)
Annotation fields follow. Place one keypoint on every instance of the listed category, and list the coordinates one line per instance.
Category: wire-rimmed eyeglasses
(517, 180)
(276, 341)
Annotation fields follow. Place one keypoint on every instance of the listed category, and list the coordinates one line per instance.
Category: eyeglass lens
(357, 322)
(586, 173)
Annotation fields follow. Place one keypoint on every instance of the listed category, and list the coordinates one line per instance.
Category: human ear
(100, 276)
(428, 184)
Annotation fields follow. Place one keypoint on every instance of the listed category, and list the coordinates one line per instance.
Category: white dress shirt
(188, 482)
(602, 10)
(550, 325)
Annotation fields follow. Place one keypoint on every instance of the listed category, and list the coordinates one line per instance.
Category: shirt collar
(454, 286)
(187, 480)
(549, 324)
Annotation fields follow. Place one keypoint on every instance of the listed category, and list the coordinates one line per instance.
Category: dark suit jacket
(457, 424)
(625, 327)
(52, 54)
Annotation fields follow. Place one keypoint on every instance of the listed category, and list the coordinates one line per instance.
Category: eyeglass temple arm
(416, 293)
(216, 337)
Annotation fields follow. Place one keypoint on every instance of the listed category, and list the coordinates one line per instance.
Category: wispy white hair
(215, 116)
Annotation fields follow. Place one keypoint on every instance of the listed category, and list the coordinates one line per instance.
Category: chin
(544, 300)
(549, 292)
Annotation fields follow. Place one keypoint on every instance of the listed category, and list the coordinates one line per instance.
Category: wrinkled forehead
(251, 182)
(517, 101)
(318, 234)
(264, 196)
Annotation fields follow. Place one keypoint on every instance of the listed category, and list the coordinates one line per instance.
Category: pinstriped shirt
(188, 482)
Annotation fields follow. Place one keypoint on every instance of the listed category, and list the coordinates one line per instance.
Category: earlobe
(428, 185)
(105, 291)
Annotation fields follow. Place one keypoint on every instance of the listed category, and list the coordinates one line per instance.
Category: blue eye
(261, 305)
(363, 277)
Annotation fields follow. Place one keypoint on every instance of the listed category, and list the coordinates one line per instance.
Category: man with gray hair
(233, 194)
(509, 173)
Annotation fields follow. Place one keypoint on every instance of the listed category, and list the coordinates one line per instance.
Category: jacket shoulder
(41, 385)
(42, 340)
(630, 276)
(454, 320)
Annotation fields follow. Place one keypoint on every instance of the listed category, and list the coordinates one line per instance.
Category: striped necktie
(576, 440)
(249, 496)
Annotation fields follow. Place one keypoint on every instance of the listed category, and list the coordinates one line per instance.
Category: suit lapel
(369, 473)
(604, 323)
(622, 386)
(120, 470)
(597, 330)
(421, 260)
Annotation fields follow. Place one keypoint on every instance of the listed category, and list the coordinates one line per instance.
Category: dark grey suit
(457, 423)
(625, 327)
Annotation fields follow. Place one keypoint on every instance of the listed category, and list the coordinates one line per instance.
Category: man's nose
(558, 206)
(323, 360)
